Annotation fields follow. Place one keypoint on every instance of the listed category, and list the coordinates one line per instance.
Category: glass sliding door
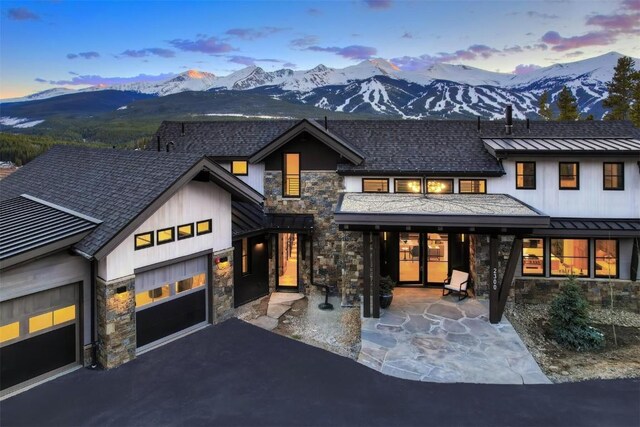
(437, 257)
(409, 258)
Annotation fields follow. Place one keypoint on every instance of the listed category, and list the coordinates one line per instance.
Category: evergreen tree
(634, 110)
(545, 108)
(620, 90)
(567, 105)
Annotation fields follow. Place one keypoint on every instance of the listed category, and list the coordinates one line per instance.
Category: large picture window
(407, 185)
(606, 258)
(570, 257)
(569, 176)
(291, 176)
(439, 186)
(613, 178)
(471, 186)
(533, 257)
(375, 185)
(526, 175)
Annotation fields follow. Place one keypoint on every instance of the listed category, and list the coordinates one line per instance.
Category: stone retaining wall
(116, 322)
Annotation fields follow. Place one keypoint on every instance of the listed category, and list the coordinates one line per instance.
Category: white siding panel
(255, 177)
(196, 201)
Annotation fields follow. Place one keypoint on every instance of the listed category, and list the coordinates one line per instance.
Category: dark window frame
(375, 179)
(246, 163)
(193, 233)
(535, 177)
(151, 240)
(589, 259)
(284, 176)
(544, 259)
(395, 185)
(604, 176)
(173, 236)
(471, 192)
(426, 185)
(595, 257)
(210, 222)
(560, 187)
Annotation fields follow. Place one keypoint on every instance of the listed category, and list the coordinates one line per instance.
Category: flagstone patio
(425, 336)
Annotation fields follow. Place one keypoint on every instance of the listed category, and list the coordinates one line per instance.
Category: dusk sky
(77, 44)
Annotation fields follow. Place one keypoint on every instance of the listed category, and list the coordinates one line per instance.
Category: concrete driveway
(236, 374)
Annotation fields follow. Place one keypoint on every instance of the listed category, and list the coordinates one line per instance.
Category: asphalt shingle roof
(114, 186)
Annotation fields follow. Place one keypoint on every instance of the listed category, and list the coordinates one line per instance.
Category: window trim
(589, 259)
(375, 179)
(173, 235)
(535, 176)
(151, 240)
(604, 165)
(577, 187)
(210, 221)
(284, 175)
(471, 179)
(426, 185)
(595, 257)
(544, 259)
(395, 185)
(246, 163)
(193, 232)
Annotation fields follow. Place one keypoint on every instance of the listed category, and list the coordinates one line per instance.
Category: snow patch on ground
(19, 122)
(124, 107)
(246, 116)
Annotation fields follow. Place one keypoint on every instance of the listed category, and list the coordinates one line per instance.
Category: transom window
(569, 176)
(408, 185)
(613, 176)
(165, 235)
(470, 186)
(526, 175)
(185, 231)
(606, 258)
(439, 186)
(291, 176)
(240, 167)
(143, 240)
(375, 185)
(533, 257)
(570, 257)
(203, 227)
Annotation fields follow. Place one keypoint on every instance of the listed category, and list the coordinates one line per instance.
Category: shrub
(569, 320)
(386, 285)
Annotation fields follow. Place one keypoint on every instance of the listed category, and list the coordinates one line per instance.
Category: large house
(109, 253)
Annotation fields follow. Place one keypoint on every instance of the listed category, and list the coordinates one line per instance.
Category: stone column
(222, 276)
(352, 268)
(116, 322)
(479, 260)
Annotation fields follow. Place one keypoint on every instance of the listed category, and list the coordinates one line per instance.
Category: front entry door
(410, 258)
(437, 258)
(287, 261)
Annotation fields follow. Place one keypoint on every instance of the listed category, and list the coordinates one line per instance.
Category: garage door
(170, 299)
(38, 335)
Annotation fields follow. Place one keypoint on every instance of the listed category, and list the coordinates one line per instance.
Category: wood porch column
(376, 275)
(366, 292)
(494, 291)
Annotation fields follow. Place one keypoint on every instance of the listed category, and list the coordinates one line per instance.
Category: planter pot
(385, 300)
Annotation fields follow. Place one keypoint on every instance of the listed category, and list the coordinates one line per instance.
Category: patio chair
(457, 282)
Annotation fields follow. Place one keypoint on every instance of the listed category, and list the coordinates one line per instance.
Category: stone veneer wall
(116, 322)
(337, 255)
(222, 287)
(536, 290)
(479, 260)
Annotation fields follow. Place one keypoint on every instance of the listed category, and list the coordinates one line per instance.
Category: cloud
(349, 52)
(85, 55)
(534, 14)
(407, 35)
(303, 42)
(574, 54)
(141, 53)
(209, 45)
(631, 4)
(314, 11)
(22, 14)
(95, 80)
(560, 44)
(621, 23)
(252, 34)
(378, 4)
(247, 60)
(289, 65)
(525, 69)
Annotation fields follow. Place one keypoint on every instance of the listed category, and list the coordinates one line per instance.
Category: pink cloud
(349, 52)
(525, 69)
(95, 80)
(252, 34)
(209, 45)
(622, 23)
(631, 4)
(560, 44)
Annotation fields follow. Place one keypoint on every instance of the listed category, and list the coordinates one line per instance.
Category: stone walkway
(279, 304)
(424, 336)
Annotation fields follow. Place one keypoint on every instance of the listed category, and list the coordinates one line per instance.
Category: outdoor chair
(457, 282)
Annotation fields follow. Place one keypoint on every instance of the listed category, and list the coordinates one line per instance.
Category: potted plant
(386, 291)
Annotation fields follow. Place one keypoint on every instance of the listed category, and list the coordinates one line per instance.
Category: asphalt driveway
(238, 374)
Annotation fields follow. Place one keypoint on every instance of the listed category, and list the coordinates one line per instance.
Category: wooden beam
(494, 291)
(376, 275)
(507, 279)
(366, 292)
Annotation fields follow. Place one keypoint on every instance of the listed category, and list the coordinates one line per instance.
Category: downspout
(94, 334)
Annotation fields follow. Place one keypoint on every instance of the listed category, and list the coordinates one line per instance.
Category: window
(378, 185)
(64, 314)
(147, 297)
(439, 186)
(203, 227)
(569, 176)
(240, 167)
(143, 240)
(526, 175)
(613, 176)
(185, 231)
(408, 185)
(470, 186)
(9, 332)
(40, 322)
(533, 257)
(165, 235)
(194, 282)
(606, 262)
(291, 175)
(245, 256)
(570, 257)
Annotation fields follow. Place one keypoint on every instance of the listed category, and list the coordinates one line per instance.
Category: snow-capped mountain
(379, 87)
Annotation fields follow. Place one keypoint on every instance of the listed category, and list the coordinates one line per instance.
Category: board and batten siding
(255, 177)
(196, 201)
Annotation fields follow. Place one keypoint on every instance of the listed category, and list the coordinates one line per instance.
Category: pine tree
(620, 90)
(544, 107)
(634, 110)
(567, 105)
